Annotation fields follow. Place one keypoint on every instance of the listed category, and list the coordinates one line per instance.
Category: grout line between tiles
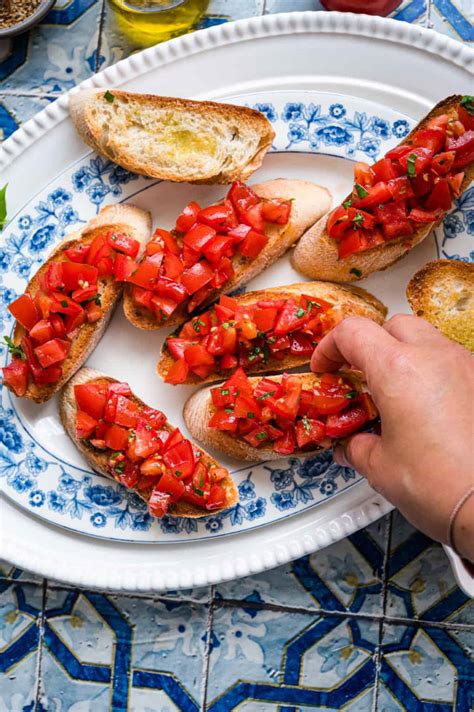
(39, 661)
(207, 651)
(384, 576)
(99, 39)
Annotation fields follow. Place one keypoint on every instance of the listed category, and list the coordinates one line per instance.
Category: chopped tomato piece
(77, 276)
(15, 376)
(416, 161)
(216, 498)
(142, 297)
(253, 216)
(343, 424)
(24, 311)
(285, 445)
(123, 243)
(443, 162)
(400, 188)
(180, 459)
(242, 197)
(83, 295)
(188, 217)
(169, 289)
(42, 331)
(220, 217)
(147, 272)
(309, 432)
(430, 138)
(177, 373)
(368, 197)
(198, 237)
(217, 248)
(85, 424)
(172, 485)
(384, 170)
(146, 440)
(172, 265)
(425, 216)
(456, 182)
(126, 412)
(466, 113)
(363, 174)
(197, 276)
(124, 267)
(276, 211)
(291, 317)
(265, 318)
(440, 197)
(224, 421)
(196, 355)
(159, 503)
(253, 244)
(90, 398)
(77, 254)
(93, 312)
(52, 352)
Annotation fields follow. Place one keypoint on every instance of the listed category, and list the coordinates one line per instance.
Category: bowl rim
(36, 16)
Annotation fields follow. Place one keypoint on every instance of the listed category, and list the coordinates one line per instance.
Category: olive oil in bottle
(146, 22)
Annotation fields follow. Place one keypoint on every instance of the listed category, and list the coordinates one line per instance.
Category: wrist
(462, 527)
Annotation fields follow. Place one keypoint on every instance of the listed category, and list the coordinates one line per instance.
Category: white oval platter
(324, 118)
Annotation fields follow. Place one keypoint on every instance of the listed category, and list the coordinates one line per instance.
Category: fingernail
(340, 456)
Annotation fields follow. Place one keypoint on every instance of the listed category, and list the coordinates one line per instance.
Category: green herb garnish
(197, 324)
(301, 312)
(356, 271)
(225, 391)
(250, 415)
(361, 191)
(15, 350)
(467, 102)
(358, 219)
(411, 164)
(64, 303)
(108, 96)
(351, 394)
(306, 423)
(347, 204)
(198, 491)
(266, 395)
(95, 299)
(228, 410)
(115, 454)
(314, 304)
(3, 207)
(261, 436)
(120, 468)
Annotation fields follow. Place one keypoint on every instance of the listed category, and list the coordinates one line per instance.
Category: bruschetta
(260, 419)
(67, 304)
(126, 440)
(214, 250)
(396, 202)
(170, 138)
(266, 331)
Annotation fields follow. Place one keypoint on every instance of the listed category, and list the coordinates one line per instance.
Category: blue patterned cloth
(375, 622)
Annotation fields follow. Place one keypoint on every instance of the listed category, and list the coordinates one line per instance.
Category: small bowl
(36, 16)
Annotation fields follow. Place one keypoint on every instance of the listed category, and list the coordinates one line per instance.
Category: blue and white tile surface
(375, 622)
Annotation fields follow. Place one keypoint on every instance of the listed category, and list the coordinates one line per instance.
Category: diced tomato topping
(343, 424)
(242, 197)
(24, 311)
(15, 376)
(124, 267)
(276, 211)
(219, 217)
(197, 276)
(85, 424)
(77, 254)
(188, 217)
(159, 503)
(42, 331)
(180, 459)
(52, 352)
(91, 398)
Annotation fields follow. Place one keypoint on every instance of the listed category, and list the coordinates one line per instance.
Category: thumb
(363, 452)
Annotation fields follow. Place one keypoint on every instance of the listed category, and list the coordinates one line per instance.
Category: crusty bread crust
(198, 409)
(250, 128)
(442, 292)
(98, 459)
(316, 254)
(348, 301)
(127, 218)
(310, 201)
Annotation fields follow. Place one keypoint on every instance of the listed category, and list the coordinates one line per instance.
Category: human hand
(423, 387)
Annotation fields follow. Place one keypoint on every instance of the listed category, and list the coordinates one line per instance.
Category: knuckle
(400, 320)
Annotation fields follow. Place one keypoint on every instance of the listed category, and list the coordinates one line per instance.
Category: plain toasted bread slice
(98, 459)
(316, 254)
(442, 292)
(199, 408)
(172, 139)
(128, 219)
(347, 301)
(310, 201)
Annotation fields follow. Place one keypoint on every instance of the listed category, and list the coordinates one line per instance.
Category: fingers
(411, 329)
(364, 453)
(356, 341)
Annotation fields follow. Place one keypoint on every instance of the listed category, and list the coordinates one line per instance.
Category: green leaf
(411, 163)
(13, 349)
(467, 102)
(108, 96)
(3, 206)
(347, 204)
(361, 191)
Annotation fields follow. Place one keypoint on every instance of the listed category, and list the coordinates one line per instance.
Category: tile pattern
(375, 622)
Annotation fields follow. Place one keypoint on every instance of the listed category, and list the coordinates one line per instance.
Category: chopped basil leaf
(95, 299)
(178, 473)
(3, 206)
(301, 312)
(411, 163)
(225, 391)
(64, 303)
(198, 491)
(266, 353)
(115, 454)
(228, 410)
(361, 191)
(260, 334)
(201, 480)
(120, 468)
(358, 219)
(314, 304)
(266, 395)
(271, 340)
(467, 102)
(15, 350)
(306, 424)
(226, 325)
(250, 415)
(351, 394)
(147, 426)
(261, 436)
(108, 96)
(347, 204)
(356, 271)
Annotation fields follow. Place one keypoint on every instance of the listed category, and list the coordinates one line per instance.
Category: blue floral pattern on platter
(68, 495)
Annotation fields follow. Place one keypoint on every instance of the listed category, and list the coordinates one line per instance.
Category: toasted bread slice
(128, 219)
(347, 301)
(172, 139)
(316, 254)
(98, 459)
(310, 201)
(442, 292)
(199, 408)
